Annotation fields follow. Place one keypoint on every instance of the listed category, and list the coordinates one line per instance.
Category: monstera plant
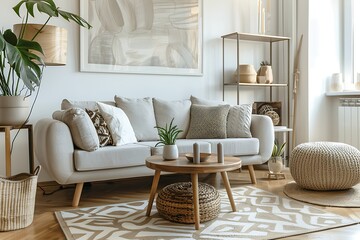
(21, 60)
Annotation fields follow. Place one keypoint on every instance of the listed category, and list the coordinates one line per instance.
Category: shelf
(344, 93)
(257, 84)
(282, 129)
(255, 37)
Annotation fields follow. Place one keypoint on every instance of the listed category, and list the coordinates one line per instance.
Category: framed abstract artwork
(142, 36)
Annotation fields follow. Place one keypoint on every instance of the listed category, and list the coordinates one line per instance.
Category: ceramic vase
(14, 110)
(265, 75)
(170, 152)
(275, 164)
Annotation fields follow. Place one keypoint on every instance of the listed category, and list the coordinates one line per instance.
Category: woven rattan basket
(17, 200)
(175, 202)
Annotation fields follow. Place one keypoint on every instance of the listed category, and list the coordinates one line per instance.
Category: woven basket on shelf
(17, 200)
(175, 202)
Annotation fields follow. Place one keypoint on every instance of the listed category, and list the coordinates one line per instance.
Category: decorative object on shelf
(336, 83)
(247, 74)
(143, 36)
(168, 135)
(275, 163)
(265, 74)
(17, 195)
(271, 109)
(20, 73)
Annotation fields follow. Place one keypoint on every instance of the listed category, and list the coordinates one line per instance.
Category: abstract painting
(142, 36)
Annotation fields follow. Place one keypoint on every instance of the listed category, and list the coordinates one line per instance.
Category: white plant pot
(170, 152)
(275, 164)
(14, 110)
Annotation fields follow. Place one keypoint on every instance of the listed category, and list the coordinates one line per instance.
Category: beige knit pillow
(207, 121)
(239, 121)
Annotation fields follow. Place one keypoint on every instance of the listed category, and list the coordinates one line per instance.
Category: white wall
(321, 55)
(219, 18)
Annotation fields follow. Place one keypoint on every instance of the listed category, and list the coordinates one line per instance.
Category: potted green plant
(168, 135)
(21, 63)
(275, 163)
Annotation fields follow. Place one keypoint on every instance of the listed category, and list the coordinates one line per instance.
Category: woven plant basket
(175, 202)
(17, 200)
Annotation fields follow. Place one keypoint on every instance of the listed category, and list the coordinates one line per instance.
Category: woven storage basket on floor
(175, 202)
(325, 166)
(17, 200)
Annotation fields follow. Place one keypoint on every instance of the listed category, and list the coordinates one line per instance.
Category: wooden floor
(46, 227)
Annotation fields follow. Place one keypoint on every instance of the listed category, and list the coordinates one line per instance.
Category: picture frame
(142, 37)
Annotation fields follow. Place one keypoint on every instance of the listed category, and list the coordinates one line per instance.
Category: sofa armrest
(262, 128)
(54, 149)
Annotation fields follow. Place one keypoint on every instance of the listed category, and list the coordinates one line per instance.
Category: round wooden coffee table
(183, 165)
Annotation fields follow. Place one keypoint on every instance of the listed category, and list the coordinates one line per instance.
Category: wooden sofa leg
(77, 194)
(252, 174)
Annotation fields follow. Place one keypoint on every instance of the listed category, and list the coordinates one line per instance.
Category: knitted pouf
(175, 202)
(325, 166)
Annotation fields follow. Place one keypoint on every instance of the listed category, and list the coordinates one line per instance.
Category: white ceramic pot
(275, 164)
(14, 110)
(265, 75)
(170, 152)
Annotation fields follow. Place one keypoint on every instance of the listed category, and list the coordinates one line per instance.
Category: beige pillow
(81, 127)
(202, 101)
(165, 111)
(140, 112)
(239, 121)
(119, 125)
(208, 122)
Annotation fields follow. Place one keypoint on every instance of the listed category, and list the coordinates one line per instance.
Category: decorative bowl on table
(203, 156)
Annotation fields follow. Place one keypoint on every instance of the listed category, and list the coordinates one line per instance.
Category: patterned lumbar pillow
(208, 121)
(239, 121)
(101, 127)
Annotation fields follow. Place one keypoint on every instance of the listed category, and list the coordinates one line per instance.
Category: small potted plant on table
(168, 135)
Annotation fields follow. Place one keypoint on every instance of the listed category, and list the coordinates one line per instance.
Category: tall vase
(275, 164)
(170, 152)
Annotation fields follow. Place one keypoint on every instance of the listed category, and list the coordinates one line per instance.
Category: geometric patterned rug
(260, 215)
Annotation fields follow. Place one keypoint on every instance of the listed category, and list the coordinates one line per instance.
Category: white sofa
(67, 164)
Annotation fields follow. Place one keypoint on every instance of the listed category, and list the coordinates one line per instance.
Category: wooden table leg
(228, 190)
(195, 185)
(8, 151)
(153, 191)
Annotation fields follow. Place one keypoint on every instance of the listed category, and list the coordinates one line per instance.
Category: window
(351, 41)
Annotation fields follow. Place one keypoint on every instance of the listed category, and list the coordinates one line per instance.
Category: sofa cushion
(165, 111)
(82, 130)
(202, 101)
(119, 124)
(236, 146)
(208, 121)
(239, 121)
(141, 115)
(101, 127)
(110, 157)
(184, 146)
(91, 105)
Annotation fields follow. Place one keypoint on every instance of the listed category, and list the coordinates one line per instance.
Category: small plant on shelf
(265, 63)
